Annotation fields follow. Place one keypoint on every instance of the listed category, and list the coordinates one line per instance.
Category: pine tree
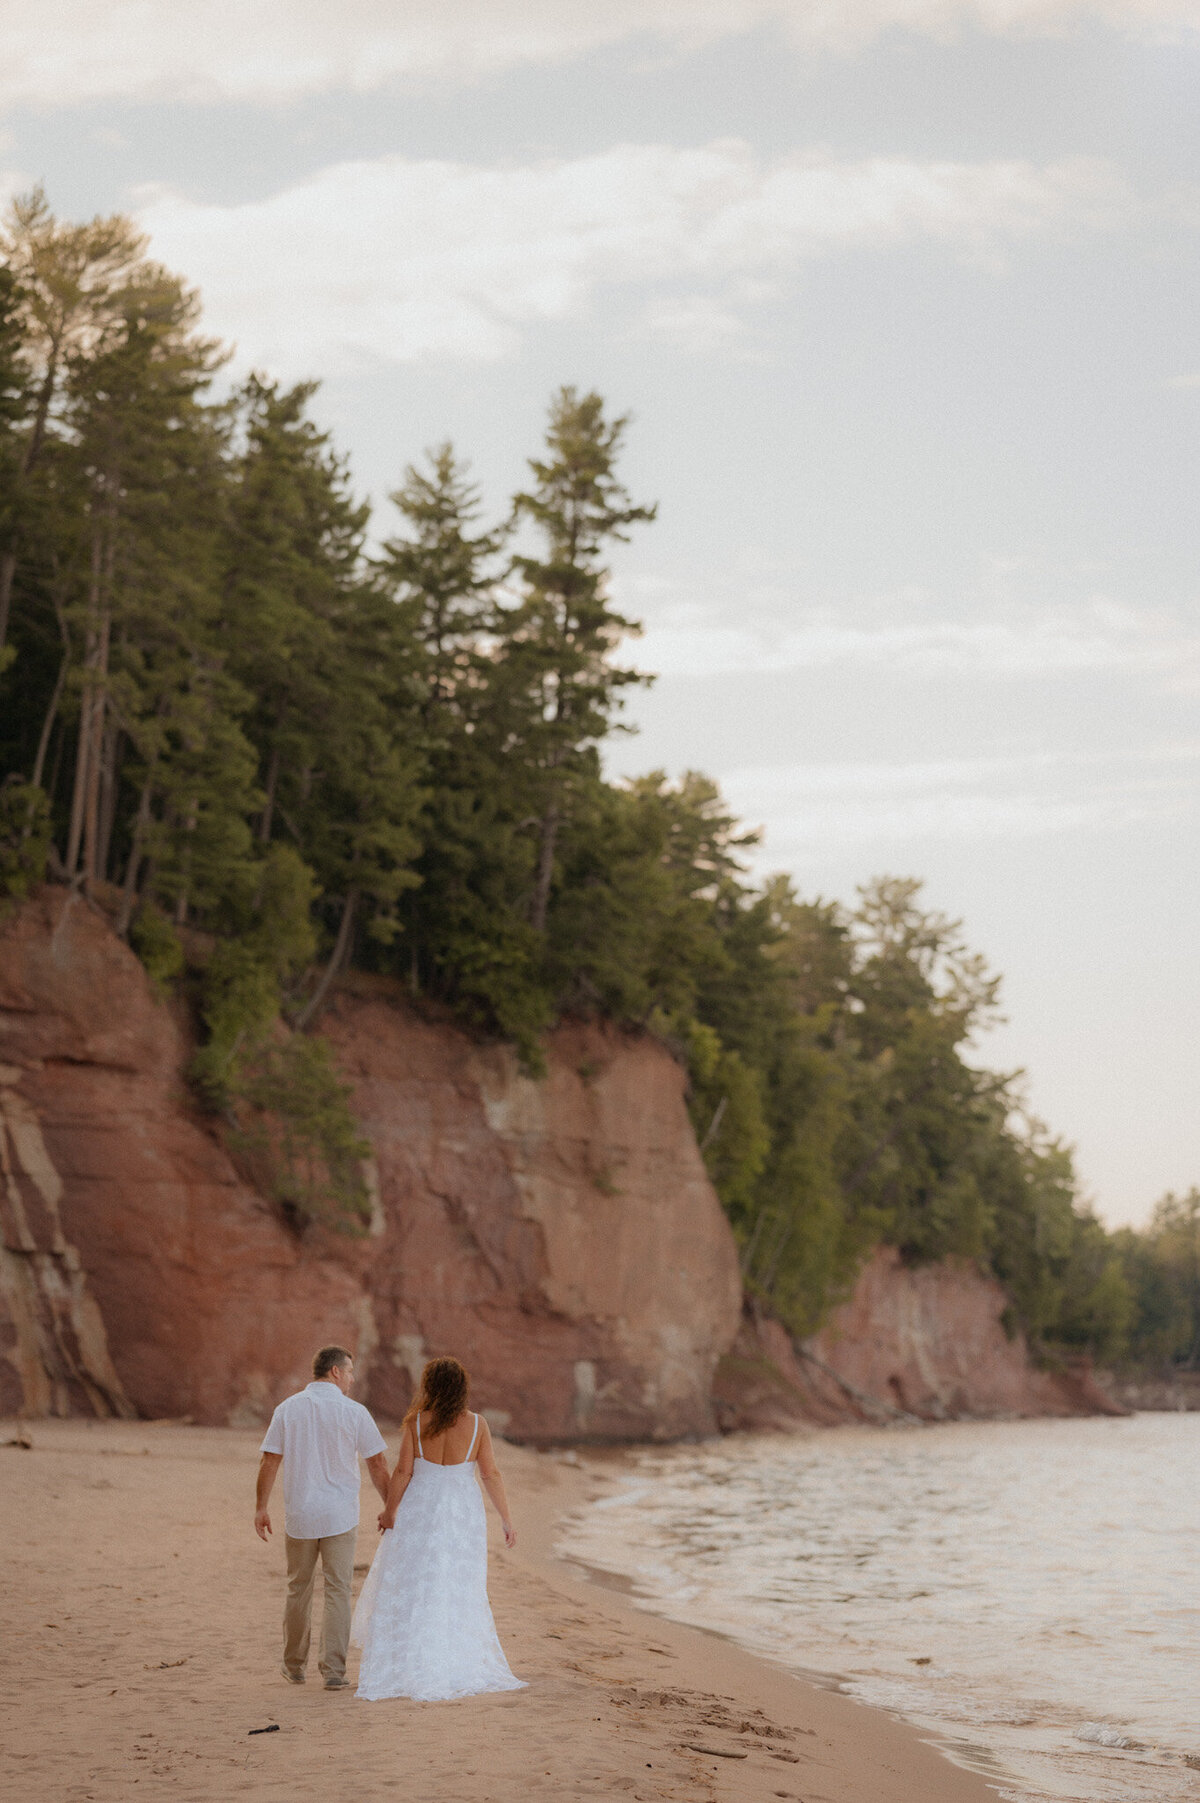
(329, 663)
(14, 403)
(442, 576)
(140, 445)
(562, 638)
(70, 281)
(293, 550)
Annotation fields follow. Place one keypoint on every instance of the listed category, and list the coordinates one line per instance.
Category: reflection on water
(1029, 1591)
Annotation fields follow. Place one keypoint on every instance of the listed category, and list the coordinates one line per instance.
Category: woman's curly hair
(443, 1392)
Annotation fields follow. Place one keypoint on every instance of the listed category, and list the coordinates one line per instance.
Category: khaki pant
(337, 1570)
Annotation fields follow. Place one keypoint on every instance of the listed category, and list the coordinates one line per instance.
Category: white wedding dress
(423, 1620)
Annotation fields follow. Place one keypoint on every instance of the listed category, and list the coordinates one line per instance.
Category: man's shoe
(338, 1684)
(292, 1677)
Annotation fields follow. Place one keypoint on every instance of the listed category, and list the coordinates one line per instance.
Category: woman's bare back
(453, 1446)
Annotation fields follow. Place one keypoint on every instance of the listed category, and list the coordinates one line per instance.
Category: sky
(901, 298)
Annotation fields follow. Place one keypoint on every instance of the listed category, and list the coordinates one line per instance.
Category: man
(318, 1436)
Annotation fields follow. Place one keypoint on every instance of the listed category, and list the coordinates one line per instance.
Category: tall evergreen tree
(442, 575)
(139, 441)
(562, 638)
(14, 402)
(71, 281)
(329, 665)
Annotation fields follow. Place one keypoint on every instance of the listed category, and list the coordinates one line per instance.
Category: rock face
(559, 1236)
(924, 1342)
(1170, 1391)
(207, 1306)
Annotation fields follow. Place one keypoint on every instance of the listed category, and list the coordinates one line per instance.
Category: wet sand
(141, 1645)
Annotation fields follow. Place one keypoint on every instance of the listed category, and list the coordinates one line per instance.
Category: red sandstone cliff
(923, 1342)
(559, 1235)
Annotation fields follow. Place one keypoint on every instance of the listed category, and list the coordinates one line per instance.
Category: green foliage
(267, 941)
(727, 1109)
(24, 837)
(879, 1127)
(14, 402)
(297, 1135)
(442, 576)
(158, 945)
(290, 1118)
(1161, 1267)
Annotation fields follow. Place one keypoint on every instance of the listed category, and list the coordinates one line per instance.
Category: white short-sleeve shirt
(322, 1435)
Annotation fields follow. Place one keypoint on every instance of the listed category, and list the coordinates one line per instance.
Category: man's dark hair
(328, 1357)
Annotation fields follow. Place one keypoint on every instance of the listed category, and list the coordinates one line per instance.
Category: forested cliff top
(271, 747)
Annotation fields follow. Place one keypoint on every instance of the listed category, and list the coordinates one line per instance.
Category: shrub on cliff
(24, 836)
(294, 1134)
(290, 1122)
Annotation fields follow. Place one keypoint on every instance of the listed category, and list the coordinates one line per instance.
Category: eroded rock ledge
(912, 1343)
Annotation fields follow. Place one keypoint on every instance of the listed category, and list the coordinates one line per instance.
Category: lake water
(1027, 1592)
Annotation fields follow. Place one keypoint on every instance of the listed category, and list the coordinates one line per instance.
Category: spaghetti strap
(471, 1447)
(420, 1454)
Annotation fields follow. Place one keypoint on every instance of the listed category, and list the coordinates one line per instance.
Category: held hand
(387, 1520)
(262, 1524)
(510, 1534)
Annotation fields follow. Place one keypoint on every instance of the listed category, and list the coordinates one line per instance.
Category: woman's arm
(493, 1483)
(401, 1478)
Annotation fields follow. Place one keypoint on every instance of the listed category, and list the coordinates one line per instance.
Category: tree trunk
(751, 1247)
(8, 569)
(340, 952)
(110, 765)
(39, 762)
(264, 824)
(91, 721)
(782, 1241)
(79, 788)
(92, 872)
(135, 854)
(545, 871)
(55, 773)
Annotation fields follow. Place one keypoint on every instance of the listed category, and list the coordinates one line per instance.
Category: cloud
(63, 52)
(695, 323)
(1094, 635)
(821, 809)
(399, 258)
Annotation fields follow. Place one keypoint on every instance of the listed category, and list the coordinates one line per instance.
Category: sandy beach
(141, 1647)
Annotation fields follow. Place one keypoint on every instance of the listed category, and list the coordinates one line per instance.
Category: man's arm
(268, 1466)
(378, 1472)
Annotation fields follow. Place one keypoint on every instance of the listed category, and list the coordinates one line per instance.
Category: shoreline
(867, 1753)
(143, 1648)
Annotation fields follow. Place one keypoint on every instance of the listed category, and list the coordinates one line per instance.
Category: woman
(423, 1619)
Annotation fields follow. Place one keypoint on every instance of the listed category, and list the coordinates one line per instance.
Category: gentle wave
(1026, 1592)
